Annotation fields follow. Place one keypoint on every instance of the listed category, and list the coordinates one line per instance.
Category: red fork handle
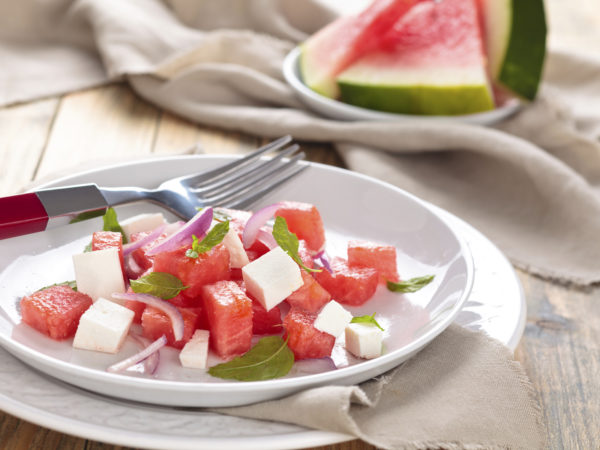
(22, 214)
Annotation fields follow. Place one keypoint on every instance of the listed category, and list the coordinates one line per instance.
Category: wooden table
(561, 346)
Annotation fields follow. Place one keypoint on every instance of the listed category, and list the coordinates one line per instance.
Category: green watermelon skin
(519, 68)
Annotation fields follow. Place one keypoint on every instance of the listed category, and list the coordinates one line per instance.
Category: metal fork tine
(252, 170)
(257, 177)
(244, 202)
(219, 172)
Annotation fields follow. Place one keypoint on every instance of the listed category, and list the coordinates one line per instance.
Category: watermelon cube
(208, 268)
(55, 311)
(349, 285)
(303, 338)
(310, 296)
(377, 256)
(304, 220)
(305, 254)
(265, 322)
(155, 323)
(140, 255)
(137, 308)
(229, 315)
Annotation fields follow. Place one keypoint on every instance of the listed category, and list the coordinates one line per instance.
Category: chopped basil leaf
(412, 285)
(269, 358)
(288, 242)
(213, 237)
(159, 284)
(367, 319)
(72, 284)
(112, 224)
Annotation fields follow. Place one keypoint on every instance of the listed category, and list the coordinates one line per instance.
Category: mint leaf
(412, 285)
(213, 237)
(269, 358)
(288, 242)
(112, 224)
(367, 319)
(160, 284)
(87, 215)
(88, 248)
(72, 284)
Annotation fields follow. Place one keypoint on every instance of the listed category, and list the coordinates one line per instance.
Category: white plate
(343, 111)
(496, 306)
(353, 206)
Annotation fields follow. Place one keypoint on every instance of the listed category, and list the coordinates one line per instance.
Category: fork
(237, 185)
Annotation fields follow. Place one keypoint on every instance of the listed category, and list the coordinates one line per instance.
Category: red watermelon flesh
(303, 338)
(229, 315)
(304, 220)
(265, 322)
(377, 256)
(305, 254)
(140, 255)
(310, 296)
(155, 323)
(208, 268)
(55, 311)
(335, 47)
(102, 240)
(351, 286)
(137, 308)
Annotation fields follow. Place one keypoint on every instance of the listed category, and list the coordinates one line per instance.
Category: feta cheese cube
(195, 352)
(333, 319)
(237, 254)
(103, 327)
(272, 277)
(98, 273)
(141, 222)
(364, 340)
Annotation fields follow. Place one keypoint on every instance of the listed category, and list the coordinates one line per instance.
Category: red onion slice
(322, 257)
(256, 221)
(129, 248)
(132, 269)
(197, 225)
(139, 357)
(315, 365)
(151, 362)
(171, 311)
(267, 238)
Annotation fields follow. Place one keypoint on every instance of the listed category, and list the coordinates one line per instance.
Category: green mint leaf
(88, 248)
(367, 319)
(87, 215)
(269, 358)
(72, 284)
(213, 237)
(160, 284)
(112, 224)
(412, 285)
(288, 242)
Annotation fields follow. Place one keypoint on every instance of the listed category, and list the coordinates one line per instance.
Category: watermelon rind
(516, 43)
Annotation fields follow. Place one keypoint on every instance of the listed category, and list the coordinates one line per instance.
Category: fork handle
(38, 211)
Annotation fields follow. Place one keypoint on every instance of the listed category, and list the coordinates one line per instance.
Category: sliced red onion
(140, 356)
(256, 221)
(132, 269)
(171, 311)
(322, 257)
(197, 225)
(151, 362)
(315, 365)
(129, 248)
(267, 238)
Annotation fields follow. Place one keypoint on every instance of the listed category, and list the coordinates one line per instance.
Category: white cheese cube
(333, 319)
(103, 327)
(237, 254)
(195, 352)
(364, 340)
(141, 222)
(271, 278)
(98, 273)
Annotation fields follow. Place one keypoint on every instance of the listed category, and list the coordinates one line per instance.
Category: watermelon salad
(430, 57)
(255, 289)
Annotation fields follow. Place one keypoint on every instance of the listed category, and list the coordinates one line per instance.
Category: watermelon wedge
(515, 35)
(431, 62)
(342, 42)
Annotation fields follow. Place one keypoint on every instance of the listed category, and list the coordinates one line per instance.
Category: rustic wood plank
(24, 130)
(101, 124)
